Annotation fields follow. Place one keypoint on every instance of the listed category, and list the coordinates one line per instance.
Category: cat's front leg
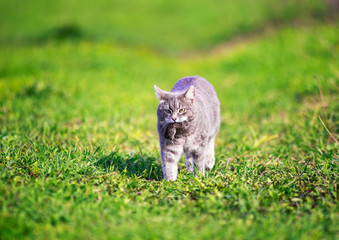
(170, 156)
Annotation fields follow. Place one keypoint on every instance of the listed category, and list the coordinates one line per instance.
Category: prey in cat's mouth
(175, 130)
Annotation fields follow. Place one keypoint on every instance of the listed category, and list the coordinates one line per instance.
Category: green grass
(166, 26)
(79, 154)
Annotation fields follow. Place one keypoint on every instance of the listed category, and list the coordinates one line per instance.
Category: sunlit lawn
(79, 154)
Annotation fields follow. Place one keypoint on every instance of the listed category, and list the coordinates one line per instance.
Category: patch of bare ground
(333, 6)
(230, 45)
(236, 42)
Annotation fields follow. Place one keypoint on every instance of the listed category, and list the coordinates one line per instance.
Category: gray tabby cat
(188, 122)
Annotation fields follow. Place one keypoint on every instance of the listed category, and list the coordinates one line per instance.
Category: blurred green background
(161, 25)
(79, 153)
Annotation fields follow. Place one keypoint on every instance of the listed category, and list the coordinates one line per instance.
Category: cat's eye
(182, 110)
(168, 111)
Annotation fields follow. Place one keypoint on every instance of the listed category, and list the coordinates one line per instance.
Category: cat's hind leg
(196, 158)
(170, 156)
(189, 162)
(210, 158)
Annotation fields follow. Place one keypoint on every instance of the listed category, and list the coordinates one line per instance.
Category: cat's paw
(210, 161)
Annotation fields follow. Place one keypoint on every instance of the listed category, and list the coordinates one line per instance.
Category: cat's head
(175, 107)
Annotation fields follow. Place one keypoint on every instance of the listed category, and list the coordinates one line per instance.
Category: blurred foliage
(163, 25)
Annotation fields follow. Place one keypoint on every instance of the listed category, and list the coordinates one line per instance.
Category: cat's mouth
(171, 120)
(178, 122)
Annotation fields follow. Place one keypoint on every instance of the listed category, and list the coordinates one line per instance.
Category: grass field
(79, 153)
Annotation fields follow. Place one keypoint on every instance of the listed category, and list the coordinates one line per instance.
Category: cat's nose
(174, 118)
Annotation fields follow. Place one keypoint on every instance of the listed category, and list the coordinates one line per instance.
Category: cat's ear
(190, 94)
(160, 94)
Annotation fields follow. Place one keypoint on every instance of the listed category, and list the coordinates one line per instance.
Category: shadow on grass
(68, 31)
(139, 165)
